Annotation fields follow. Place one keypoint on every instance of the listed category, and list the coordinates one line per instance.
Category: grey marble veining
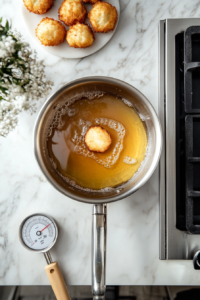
(133, 226)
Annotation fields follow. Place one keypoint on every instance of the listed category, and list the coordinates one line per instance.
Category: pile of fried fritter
(103, 18)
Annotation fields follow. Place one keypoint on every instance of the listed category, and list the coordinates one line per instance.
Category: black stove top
(187, 64)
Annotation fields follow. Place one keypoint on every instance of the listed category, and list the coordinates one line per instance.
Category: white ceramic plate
(63, 50)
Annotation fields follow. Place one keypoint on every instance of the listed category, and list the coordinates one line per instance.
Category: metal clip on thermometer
(39, 233)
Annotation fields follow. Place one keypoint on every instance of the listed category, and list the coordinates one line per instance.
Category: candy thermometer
(39, 233)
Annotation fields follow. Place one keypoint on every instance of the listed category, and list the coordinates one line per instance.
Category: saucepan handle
(99, 223)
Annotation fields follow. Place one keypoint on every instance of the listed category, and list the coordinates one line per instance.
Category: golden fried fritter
(97, 139)
(90, 1)
(72, 12)
(80, 36)
(38, 6)
(50, 32)
(103, 17)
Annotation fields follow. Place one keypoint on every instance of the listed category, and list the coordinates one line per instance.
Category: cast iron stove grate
(188, 130)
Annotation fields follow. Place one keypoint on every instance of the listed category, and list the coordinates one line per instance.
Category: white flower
(33, 79)
(3, 53)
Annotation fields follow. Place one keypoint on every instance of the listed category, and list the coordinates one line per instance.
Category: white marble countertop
(133, 223)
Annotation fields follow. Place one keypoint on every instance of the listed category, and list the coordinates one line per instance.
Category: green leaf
(14, 38)
(15, 55)
(18, 46)
(25, 83)
(17, 81)
(10, 61)
(3, 90)
(9, 80)
(7, 27)
(21, 59)
(7, 71)
(22, 67)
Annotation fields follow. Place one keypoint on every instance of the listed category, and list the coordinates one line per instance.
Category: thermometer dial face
(38, 232)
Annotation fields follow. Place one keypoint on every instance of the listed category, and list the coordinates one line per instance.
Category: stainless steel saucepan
(142, 105)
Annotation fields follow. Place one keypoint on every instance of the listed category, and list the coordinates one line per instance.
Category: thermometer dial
(38, 232)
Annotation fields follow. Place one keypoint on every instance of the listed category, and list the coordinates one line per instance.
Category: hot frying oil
(99, 170)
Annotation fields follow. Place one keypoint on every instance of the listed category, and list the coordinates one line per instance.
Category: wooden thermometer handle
(57, 281)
